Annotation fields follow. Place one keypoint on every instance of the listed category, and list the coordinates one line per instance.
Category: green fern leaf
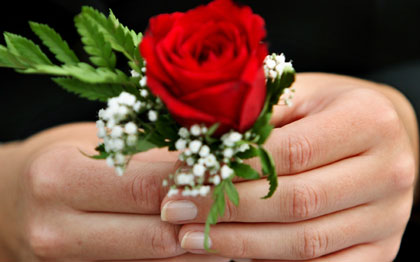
(55, 43)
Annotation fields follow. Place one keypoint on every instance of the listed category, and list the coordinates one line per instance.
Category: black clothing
(373, 39)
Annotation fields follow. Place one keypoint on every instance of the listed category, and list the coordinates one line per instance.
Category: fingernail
(178, 210)
(194, 241)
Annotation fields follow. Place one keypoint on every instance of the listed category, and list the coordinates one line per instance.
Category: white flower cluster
(151, 105)
(287, 96)
(274, 66)
(118, 128)
(202, 163)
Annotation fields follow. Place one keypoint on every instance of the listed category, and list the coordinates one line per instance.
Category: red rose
(206, 65)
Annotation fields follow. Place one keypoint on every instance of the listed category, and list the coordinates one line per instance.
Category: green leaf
(121, 38)
(269, 169)
(28, 52)
(208, 137)
(232, 192)
(250, 153)
(264, 132)
(217, 210)
(144, 145)
(261, 122)
(244, 171)
(101, 150)
(99, 92)
(99, 50)
(7, 59)
(55, 43)
(83, 72)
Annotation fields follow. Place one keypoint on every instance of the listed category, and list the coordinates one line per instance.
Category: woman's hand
(346, 158)
(59, 205)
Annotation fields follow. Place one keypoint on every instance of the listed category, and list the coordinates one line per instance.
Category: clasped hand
(346, 161)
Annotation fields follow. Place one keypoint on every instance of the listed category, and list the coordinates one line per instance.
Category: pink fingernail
(194, 241)
(179, 210)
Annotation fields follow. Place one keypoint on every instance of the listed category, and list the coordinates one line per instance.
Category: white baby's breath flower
(199, 170)
(119, 170)
(110, 161)
(270, 63)
(180, 144)
(228, 152)
(137, 106)
(204, 190)
(216, 180)
(152, 115)
(190, 161)
(235, 136)
(173, 191)
(144, 93)
(165, 183)
(243, 147)
(143, 81)
(131, 128)
(204, 130)
(185, 179)
(187, 152)
(134, 73)
(195, 146)
(195, 130)
(204, 151)
(118, 144)
(183, 132)
(117, 132)
(131, 140)
(126, 99)
(119, 159)
(226, 171)
(210, 160)
(122, 111)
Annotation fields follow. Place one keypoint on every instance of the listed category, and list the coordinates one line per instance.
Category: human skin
(346, 156)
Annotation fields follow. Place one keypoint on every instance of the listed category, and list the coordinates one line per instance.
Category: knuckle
(403, 172)
(241, 247)
(44, 243)
(305, 201)
(146, 192)
(41, 174)
(312, 243)
(164, 240)
(296, 153)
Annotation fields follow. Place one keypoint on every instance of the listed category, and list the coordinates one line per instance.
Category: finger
(100, 236)
(300, 241)
(182, 258)
(343, 127)
(347, 183)
(90, 185)
(384, 250)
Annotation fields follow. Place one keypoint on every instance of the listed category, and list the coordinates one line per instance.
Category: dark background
(372, 39)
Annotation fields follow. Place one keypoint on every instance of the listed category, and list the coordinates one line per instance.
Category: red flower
(206, 64)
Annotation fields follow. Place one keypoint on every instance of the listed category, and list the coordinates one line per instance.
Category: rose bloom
(206, 65)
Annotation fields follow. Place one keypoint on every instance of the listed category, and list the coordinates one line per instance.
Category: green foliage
(55, 43)
(119, 36)
(250, 153)
(244, 171)
(99, 50)
(25, 51)
(268, 167)
(99, 92)
(99, 35)
(232, 192)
